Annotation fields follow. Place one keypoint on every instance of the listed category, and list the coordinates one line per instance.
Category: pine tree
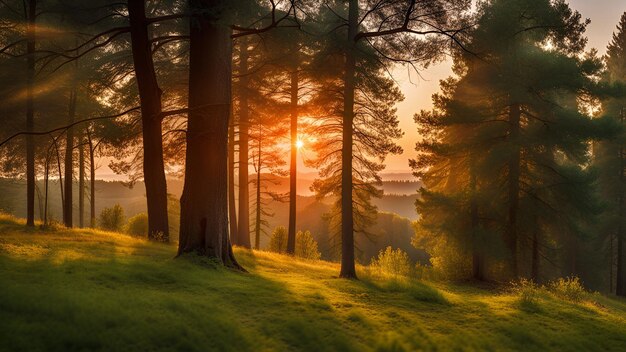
(506, 149)
(609, 159)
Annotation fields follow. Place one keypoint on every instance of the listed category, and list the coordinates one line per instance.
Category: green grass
(70, 290)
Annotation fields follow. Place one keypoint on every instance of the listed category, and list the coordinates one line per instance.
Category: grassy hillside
(86, 290)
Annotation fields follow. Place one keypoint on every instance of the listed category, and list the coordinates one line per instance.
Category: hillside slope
(87, 290)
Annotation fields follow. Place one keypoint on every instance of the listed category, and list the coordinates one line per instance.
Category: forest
(239, 175)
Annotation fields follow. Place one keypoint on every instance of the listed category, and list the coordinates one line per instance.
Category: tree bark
(620, 272)
(232, 205)
(30, 113)
(257, 222)
(293, 166)
(513, 185)
(477, 257)
(150, 97)
(204, 210)
(347, 217)
(534, 274)
(243, 238)
(92, 181)
(620, 287)
(69, 162)
(81, 179)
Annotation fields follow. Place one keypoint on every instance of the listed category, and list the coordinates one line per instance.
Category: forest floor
(67, 290)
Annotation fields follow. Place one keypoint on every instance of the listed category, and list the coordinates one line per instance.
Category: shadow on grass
(119, 302)
(132, 295)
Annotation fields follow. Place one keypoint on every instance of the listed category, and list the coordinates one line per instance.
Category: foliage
(390, 262)
(306, 246)
(505, 151)
(528, 292)
(137, 225)
(569, 288)
(278, 240)
(112, 219)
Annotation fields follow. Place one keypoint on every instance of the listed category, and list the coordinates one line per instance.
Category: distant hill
(310, 211)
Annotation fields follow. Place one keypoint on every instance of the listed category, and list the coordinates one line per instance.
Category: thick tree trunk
(30, 114)
(81, 179)
(150, 96)
(204, 203)
(513, 185)
(347, 217)
(232, 205)
(243, 238)
(257, 222)
(69, 163)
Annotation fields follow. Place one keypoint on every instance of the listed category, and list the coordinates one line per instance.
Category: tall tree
(609, 157)
(31, 35)
(393, 30)
(151, 119)
(505, 155)
(204, 203)
(243, 227)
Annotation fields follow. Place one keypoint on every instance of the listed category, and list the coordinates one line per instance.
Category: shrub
(528, 293)
(306, 246)
(569, 288)
(391, 262)
(278, 240)
(112, 219)
(138, 225)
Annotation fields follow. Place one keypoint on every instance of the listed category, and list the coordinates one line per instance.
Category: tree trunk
(477, 257)
(151, 119)
(513, 185)
(535, 257)
(69, 163)
(81, 179)
(620, 272)
(30, 113)
(204, 203)
(243, 238)
(58, 154)
(232, 205)
(257, 222)
(293, 166)
(620, 287)
(347, 217)
(92, 181)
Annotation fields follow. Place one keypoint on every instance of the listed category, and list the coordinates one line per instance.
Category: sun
(299, 144)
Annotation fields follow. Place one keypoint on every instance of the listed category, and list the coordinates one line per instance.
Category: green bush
(306, 246)
(569, 288)
(391, 262)
(138, 225)
(278, 240)
(111, 219)
(528, 292)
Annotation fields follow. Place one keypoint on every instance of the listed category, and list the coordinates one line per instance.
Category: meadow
(68, 290)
